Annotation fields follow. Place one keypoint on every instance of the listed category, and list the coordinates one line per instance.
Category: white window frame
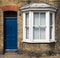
(31, 17)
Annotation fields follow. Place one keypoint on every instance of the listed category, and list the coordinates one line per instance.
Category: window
(39, 27)
(27, 25)
(38, 23)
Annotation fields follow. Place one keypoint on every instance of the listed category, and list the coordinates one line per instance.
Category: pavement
(10, 55)
(15, 55)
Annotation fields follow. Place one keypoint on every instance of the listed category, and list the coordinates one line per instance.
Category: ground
(15, 55)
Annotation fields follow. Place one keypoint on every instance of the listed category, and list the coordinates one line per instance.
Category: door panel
(10, 33)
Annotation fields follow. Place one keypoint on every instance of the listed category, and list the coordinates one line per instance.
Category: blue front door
(10, 28)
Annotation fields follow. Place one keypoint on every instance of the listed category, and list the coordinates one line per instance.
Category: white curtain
(42, 33)
(42, 19)
(36, 33)
(36, 19)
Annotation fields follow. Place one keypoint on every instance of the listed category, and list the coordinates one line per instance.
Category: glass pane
(36, 33)
(50, 32)
(42, 19)
(36, 18)
(50, 18)
(27, 19)
(27, 33)
(42, 33)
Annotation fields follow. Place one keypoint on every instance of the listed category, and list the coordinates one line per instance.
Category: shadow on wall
(52, 46)
(58, 26)
(29, 1)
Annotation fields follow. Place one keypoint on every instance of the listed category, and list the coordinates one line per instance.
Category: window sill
(51, 41)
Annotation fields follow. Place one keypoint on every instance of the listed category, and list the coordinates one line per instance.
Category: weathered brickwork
(27, 47)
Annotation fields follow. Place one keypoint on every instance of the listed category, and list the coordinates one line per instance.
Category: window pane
(42, 33)
(27, 33)
(36, 18)
(50, 32)
(36, 33)
(50, 18)
(42, 19)
(27, 19)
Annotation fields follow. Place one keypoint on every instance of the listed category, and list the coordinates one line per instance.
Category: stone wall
(27, 47)
(1, 32)
(51, 48)
(45, 48)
